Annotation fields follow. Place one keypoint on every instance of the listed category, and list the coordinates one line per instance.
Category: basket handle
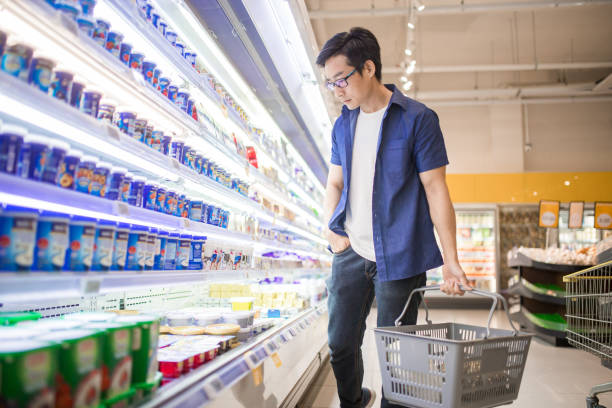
(491, 295)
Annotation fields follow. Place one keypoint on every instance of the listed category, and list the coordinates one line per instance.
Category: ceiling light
(411, 26)
(408, 51)
(412, 63)
(403, 79)
(420, 6)
(407, 86)
(567, 183)
(410, 69)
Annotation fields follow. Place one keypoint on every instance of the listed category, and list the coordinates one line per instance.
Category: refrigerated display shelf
(523, 260)
(537, 292)
(209, 382)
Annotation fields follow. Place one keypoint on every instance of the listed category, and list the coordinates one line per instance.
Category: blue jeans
(352, 287)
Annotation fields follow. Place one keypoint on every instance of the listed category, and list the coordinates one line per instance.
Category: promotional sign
(603, 215)
(549, 214)
(576, 212)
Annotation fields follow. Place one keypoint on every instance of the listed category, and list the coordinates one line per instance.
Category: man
(386, 190)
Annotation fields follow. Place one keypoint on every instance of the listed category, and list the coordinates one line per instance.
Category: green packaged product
(144, 346)
(116, 357)
(11, 318)
(27, 373)
(79, 380)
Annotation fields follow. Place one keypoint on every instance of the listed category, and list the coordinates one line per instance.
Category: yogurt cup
(182, 99)
(115, 180)
(54, 161)
(150, 195)
(113, 43)
(155, 142)
(195, 210)
(76, 92)
(34, 158)
(205, 319)
(171, 250)
(160, 199)
(171, 37)
(162, 85)
(79, 379)
(41, 72)
(148, 71)
(16, 58)
(51, 241)
(32, 365)
(87, 25)
(171, 202)
(82, 232)
(106, 110)
(150, 254)
(242, 318)
(195, 253)
(172, 92)
(84, 173)
(120, 247)
(17, 238)
(103, 245)
(68, 169)
(124, 120)
(182, 251)
(88, 6)
(156, 75)
(145, 335)
(176, 319)
(90, 101)
(125, 50)
(11, 141)
(61, 84)
(136, 60)
(177, 150)
(116, 357)
(159, 257)
(136, 191)
(140, 128)
(99, 179)
(100, 32)
(126, 187)
(244, 335)
(137, 248)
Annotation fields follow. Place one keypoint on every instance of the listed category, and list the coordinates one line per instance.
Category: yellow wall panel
(530, 187)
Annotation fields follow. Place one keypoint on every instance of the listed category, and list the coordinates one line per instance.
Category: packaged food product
(68, 169)
(113, 43)
(76, 92)
(195, 210)
(206, 319)
(163, 85)
(51, 241)
(90, 102)
(125, 50)
(160, 199)
(32, 365)
(116, 357)
(126, 187)
(145, 335)
(34, 158)
(140, 127)
(179, 319)
(115, 180)
(171, 250)
(177, 150)
(84, 173)
(53, 161)
(170, 205)
(136, 60)
(137, 248)
(155, 142)
(180, 205)
(17, 238)
(148, 71)
(162, 27)
(172, 92)
(159, 259)
(222, 329)
(41, 72)
(180, 47)
(72, 8)
(11, 140)
(190, 56)
(13, 318)
(124, 120)
(120, 247)
(241, 304)
(103, 245)
(166, 142)
(150, 255)
(16, 58)
(171, 36)
(182, 99)
(182, 252)
(187, 330)
(195, 253)
(244, 335)
(106, 110)
(136, 191)
(82, 233)
(87, 25)
(156, 75)
(192, 110)
(88, 6)
(100, 32)
(171, 363)
(61, 84)
(242, 318)
(79, 379)
(99, 179)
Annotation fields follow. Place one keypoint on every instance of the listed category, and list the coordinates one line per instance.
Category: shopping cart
(589, 318)
(451, 365)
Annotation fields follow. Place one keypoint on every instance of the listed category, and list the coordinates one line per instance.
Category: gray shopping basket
(451, 365)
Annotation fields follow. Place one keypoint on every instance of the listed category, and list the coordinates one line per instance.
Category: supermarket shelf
(554, 337)
(210, 383)
(523, 260)
(529, 290)
(604, 256)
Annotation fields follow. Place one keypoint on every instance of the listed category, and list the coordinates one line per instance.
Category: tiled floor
(553, 377)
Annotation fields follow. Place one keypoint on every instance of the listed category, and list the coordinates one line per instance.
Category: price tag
(90, 286)
(123, 209)
(113, 133)
(277, 360)
(257, 375)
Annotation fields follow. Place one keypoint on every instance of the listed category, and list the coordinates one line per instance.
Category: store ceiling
(471, 52)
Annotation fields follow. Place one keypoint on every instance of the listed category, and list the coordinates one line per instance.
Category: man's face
(358, 86)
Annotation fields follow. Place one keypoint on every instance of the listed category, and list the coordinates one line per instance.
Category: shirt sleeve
(335, 154)
(429, 149)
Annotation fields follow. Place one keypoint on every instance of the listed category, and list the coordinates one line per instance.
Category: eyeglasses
(340, 83)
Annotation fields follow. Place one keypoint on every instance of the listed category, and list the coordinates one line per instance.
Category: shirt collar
(397, 98)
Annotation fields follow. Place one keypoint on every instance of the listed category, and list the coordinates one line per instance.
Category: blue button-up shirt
(410, 142)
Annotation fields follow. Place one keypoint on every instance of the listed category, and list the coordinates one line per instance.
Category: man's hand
(454, 276)
(337, 242)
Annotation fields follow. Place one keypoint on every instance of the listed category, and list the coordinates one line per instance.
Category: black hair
(358, 45)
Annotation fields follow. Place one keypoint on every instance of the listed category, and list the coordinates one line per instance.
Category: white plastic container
(243, 319)
(174, 319)
(205, 319)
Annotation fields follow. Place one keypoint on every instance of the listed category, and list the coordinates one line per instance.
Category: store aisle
(554, 377)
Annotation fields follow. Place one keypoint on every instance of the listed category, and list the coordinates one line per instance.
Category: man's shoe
(368, 397)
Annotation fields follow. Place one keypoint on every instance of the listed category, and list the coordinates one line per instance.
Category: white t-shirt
(358, 223)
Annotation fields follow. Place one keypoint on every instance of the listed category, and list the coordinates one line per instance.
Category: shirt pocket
(397, 157)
